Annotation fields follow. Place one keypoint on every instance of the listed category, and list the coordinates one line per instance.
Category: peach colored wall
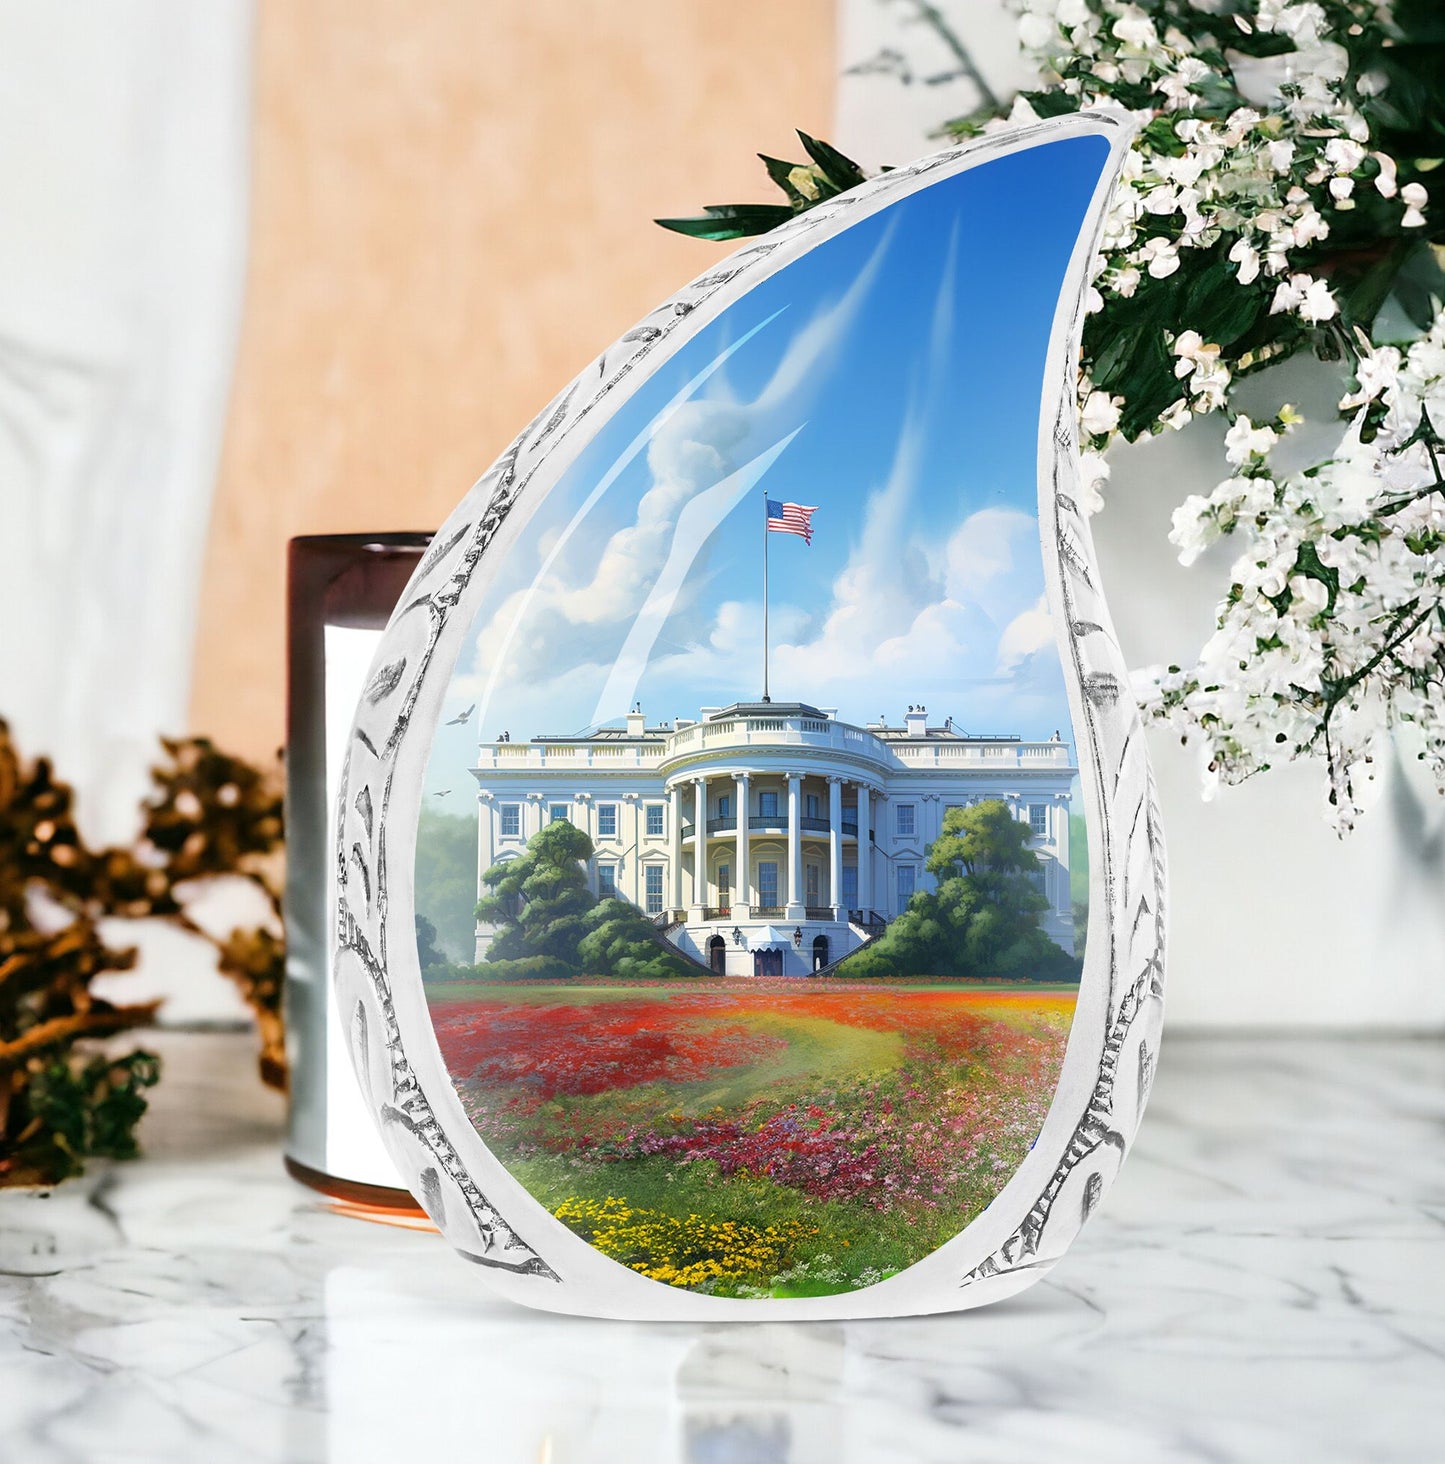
(450, 217)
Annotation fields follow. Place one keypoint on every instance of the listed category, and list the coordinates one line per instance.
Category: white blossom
(1414, 197)
(1385, 179)
(1375, 374)
(1160, 257)
(1333, 631)
(1244, 441)
(1280, 155)
(1100, 413)
(1135, 28)
(1246, 256)
(1126, 281)
(1093, 474)
(1308, 597)
(1193, 351)
(1344, 155)
(1308, 297)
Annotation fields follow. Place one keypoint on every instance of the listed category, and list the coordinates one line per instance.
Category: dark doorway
(768, 961)
(717, 955)
(820, 952)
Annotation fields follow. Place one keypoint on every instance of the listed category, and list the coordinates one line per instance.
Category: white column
(535, 815)
(699, 842)
(835, 844)
(486, 833)
(795, 846)
(743, 893)
(674, 830)
(627, 877)
(582, 819)
(865, 854)
(486, 857)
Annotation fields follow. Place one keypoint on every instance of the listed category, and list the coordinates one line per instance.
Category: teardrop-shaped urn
(750, 898)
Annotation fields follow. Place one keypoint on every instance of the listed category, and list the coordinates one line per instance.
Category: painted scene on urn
(751, 877)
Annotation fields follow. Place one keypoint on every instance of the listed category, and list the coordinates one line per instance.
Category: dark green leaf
(1364, 297)
(1225, 308)
(778, 171)
(1051, 103)
(842, 172)
(730, 221)
(1420, 285)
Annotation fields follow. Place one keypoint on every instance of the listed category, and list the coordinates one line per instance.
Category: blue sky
(891, 376)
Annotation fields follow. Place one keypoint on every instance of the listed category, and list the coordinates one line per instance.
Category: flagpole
(766, 697)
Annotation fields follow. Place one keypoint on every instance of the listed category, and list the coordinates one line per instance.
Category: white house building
(769, 838)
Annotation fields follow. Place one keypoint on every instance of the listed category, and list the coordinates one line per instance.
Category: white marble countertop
(1265, 1282)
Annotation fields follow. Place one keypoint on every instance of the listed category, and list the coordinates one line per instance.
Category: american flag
(791, 518)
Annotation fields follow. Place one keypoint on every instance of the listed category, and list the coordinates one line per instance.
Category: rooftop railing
(775, 732)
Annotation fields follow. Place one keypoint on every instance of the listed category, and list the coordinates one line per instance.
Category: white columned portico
(699, 844)
(675, 838)
(795, 846)
(865, 854)
(743, 892)
(835, 845)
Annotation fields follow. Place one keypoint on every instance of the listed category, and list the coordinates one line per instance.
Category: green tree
(622, 941)
(446, 880)
(539, 904)
(983, 919)
(427, 953)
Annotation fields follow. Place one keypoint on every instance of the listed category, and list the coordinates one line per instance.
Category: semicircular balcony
(753, 737)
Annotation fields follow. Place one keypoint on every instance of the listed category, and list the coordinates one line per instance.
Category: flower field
(755, 1137)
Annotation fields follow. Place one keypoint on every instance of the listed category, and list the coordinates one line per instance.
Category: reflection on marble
(1266, 1281)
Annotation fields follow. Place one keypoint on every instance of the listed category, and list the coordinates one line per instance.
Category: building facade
(769, 838)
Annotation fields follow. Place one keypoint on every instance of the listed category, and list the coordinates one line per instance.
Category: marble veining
(1267, 1282)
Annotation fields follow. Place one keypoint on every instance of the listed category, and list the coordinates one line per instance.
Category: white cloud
(1025, 635)
(697, 521)
(912, 623)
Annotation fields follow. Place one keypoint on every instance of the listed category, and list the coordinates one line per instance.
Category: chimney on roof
(916, 721)
(636, 722)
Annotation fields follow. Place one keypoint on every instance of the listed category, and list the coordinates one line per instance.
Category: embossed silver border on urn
(477, 1205)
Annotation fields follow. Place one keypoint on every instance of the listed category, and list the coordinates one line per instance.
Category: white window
(850, 886)
(656, 825)
(606, 820)
(652, 888)
(811, 878)
(1039, 819)
(768, 882)
(724, 884)
(907, 820)
(607, 881)
(558, 813)
(810, 805)
(768, 805)
(724, 806)
(511, 820)
(907, 882)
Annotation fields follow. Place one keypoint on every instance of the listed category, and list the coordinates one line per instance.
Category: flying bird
(463, 717)
(442, 794)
